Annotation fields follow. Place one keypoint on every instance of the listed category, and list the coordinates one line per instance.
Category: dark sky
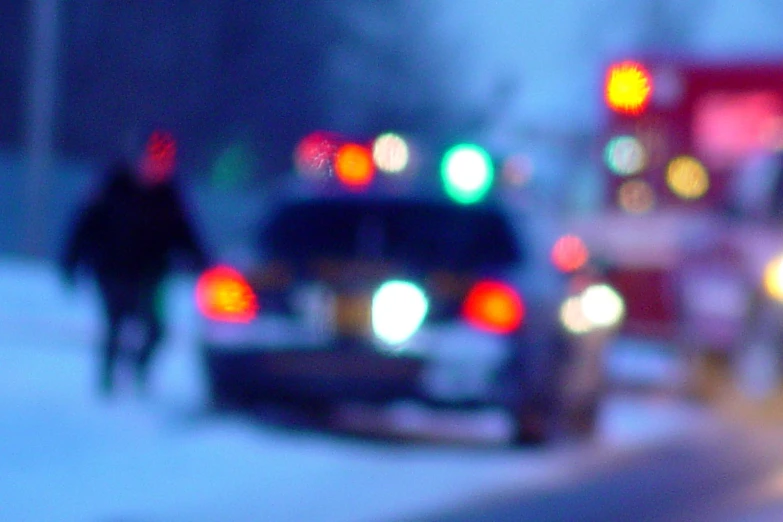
(219, 71)
(222, 72)
(213, 72)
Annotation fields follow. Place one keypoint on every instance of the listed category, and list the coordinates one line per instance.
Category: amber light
(687, 177)
(354, 165)
(223, 294)
(773, 278)
(628, 87)
(494, 307)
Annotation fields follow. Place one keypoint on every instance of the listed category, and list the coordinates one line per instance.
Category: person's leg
(150, 315)
(109, 353)
(112, 298)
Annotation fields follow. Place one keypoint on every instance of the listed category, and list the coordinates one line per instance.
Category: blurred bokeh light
(391, 153)
(398, 310)
(687, 177)
(602, 305)
(493, 306)
(223, 294)
(354, 165)
(773, 278)
(314, 155)
(569, 253)
(628, 87)
(636, 196)
(467, 173)
(572, 316)
(625, 155)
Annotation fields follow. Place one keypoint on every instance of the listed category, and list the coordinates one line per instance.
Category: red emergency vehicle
(674, 137)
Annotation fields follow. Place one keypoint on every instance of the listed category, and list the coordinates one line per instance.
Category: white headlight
(572, 317)
(398, 310)
(773, 278)
(602, 305)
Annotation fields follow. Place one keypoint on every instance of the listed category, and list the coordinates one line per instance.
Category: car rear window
(415, 233)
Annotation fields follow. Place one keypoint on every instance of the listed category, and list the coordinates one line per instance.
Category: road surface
(65, 455)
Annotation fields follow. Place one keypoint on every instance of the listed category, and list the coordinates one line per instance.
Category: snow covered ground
(65, 455)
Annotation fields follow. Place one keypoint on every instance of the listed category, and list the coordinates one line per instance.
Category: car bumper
(243, 377)
(274, 359)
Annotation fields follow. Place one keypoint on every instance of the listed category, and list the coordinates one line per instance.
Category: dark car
(375, 300)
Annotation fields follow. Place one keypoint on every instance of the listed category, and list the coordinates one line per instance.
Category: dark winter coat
(131, 232)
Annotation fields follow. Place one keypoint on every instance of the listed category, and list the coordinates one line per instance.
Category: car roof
(480, 225)
(293, 187)
(407, 197)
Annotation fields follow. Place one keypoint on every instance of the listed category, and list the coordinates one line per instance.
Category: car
(382, 299)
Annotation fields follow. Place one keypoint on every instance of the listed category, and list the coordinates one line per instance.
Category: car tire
(581, 421)
(531, 428)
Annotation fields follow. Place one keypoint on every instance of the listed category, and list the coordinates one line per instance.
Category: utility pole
(40, 120)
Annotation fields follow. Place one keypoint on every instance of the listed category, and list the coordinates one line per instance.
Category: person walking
(127, 238)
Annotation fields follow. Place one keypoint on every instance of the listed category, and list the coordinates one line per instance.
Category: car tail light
(493, 306)
(223, 294)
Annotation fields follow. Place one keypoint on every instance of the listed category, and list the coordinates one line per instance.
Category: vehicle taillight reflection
(494, 307)
(223, 294)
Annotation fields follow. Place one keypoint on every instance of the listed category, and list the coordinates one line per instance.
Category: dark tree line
(220, 71)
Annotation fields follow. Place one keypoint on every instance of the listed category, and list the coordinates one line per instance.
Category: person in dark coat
(128, 238)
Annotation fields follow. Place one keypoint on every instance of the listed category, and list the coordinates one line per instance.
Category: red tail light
(494, 307)
(223, 294)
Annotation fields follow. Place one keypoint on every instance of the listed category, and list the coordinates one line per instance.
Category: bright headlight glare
(572, 317)
(773, 278)
(398, 311)
(602, 305)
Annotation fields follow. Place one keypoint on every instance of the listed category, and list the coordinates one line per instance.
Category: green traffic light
(467, 173)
